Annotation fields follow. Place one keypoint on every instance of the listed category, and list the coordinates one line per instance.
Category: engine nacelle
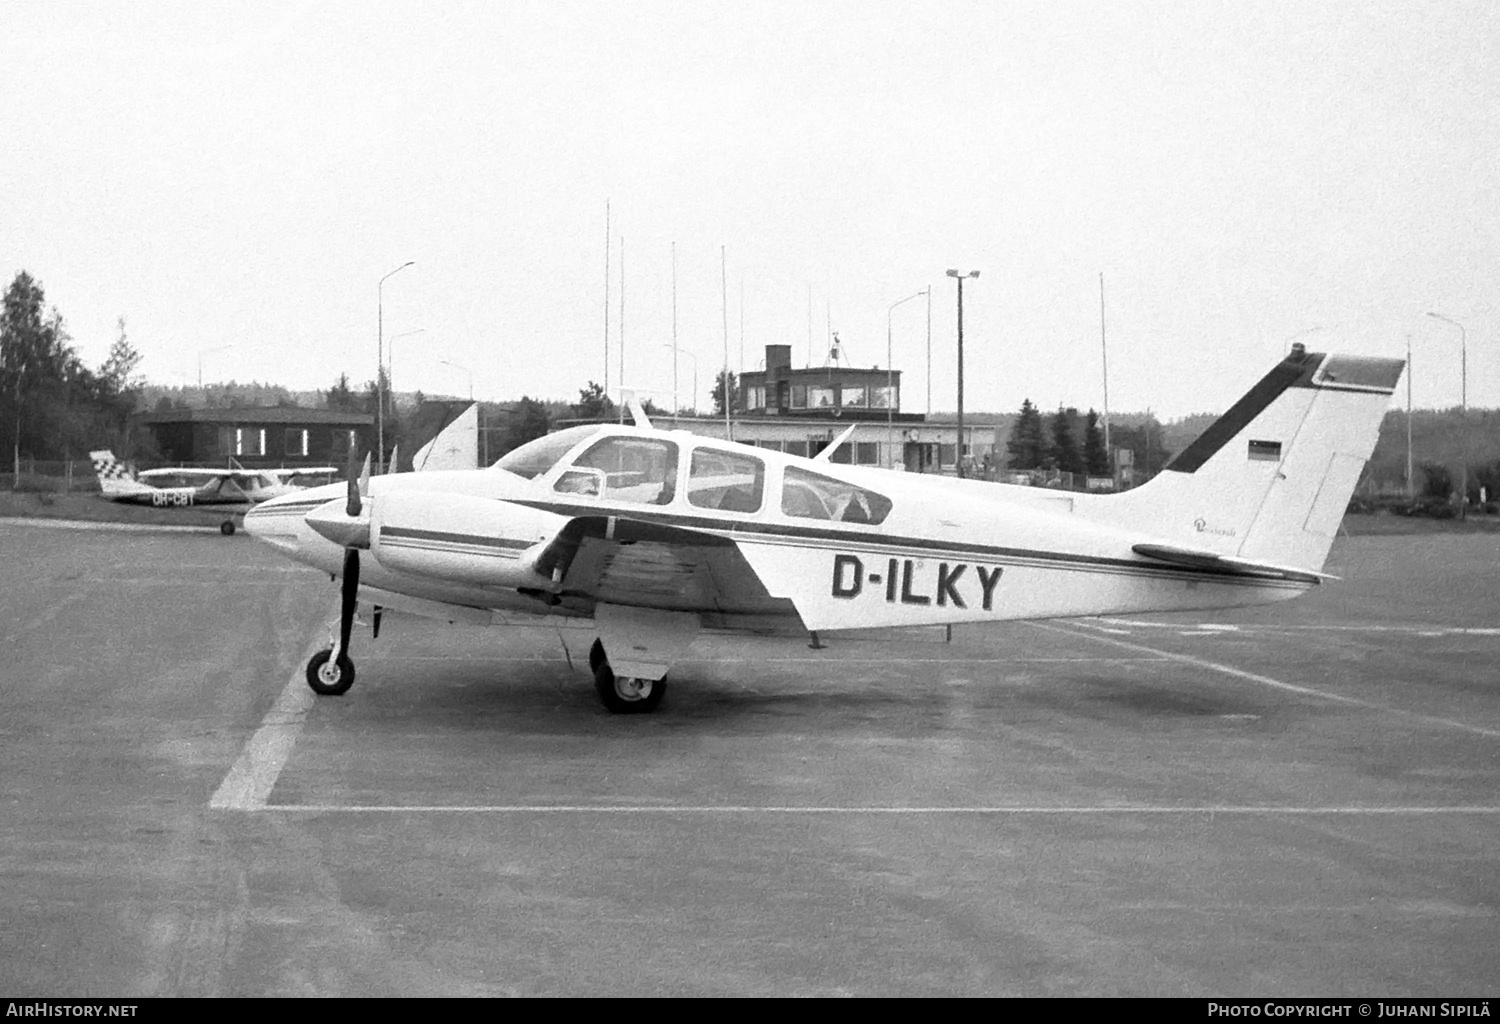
(460, 538)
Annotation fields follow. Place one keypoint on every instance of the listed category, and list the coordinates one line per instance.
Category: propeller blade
(349, 593)
(353, 505)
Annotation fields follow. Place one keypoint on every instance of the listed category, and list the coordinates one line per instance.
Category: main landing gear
(623, 695)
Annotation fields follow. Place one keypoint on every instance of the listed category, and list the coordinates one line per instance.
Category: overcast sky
(1241, 173)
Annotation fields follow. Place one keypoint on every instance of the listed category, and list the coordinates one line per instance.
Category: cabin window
(634, 469)
(728, 482)
(807, 495)
(249, 441)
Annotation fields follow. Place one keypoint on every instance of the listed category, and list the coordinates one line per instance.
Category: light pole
(204, 352)
(461, 366)
(890, 385)
(959, 455)
(380, 366)
(675, 406)
(1463, 468)
(683, 352)
(1410, 494)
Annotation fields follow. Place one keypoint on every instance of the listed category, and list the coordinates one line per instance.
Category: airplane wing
(579, 561)
(617, 560)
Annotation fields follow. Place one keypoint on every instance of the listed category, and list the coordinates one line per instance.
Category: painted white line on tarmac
(1418, 629)
(85, 524)
(1237, 673)
(551, 659)
(748, 809)
(248, 785)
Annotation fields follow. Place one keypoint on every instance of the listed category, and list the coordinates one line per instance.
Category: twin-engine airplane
(656, 534)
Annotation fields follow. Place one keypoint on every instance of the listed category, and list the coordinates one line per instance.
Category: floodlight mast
(1463, 466)
(380, 365)
(958, 456)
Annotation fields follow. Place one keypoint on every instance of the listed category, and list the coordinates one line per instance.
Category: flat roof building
(258, 437)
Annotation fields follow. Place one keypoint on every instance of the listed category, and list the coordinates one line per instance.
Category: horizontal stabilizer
(1199, 559)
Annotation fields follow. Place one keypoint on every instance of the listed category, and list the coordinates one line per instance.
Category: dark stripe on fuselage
(905, 544)
(454, 538)
(1296, 370)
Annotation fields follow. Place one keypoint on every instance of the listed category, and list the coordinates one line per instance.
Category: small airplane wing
(826, 455)
(638, 413)
(456, 446)
(617, 560)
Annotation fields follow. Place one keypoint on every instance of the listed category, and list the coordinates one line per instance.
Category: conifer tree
(1024, 448)
(1064, 450)
(1095, 458)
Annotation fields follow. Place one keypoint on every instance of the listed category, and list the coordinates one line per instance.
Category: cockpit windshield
(534, 458)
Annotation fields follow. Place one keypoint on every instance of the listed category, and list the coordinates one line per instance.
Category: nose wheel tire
(624, 695)
(227, 527)
(327, 677)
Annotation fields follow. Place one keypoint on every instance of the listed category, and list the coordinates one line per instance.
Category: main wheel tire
(596, 657)
(227, 527)
(329, 678)
(625, 695)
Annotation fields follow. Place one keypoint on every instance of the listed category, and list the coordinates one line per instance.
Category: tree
(118, 391)
(718, 393)
(118, 372)
(1024, 448)
(528, 421)
(593, 403)
(1095, 457)
(341, 398)
(1063, 452)
(51, 397)
(1146, 445)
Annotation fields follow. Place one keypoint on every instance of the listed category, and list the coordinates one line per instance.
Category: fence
(42, 475)
(75, 475)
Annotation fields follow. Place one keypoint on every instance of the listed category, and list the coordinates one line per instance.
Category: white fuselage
(941, 554)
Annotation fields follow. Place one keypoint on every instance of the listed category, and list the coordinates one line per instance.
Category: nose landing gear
(329, 676)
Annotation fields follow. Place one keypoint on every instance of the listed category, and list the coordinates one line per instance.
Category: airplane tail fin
(1268, 482)
(115, 478)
